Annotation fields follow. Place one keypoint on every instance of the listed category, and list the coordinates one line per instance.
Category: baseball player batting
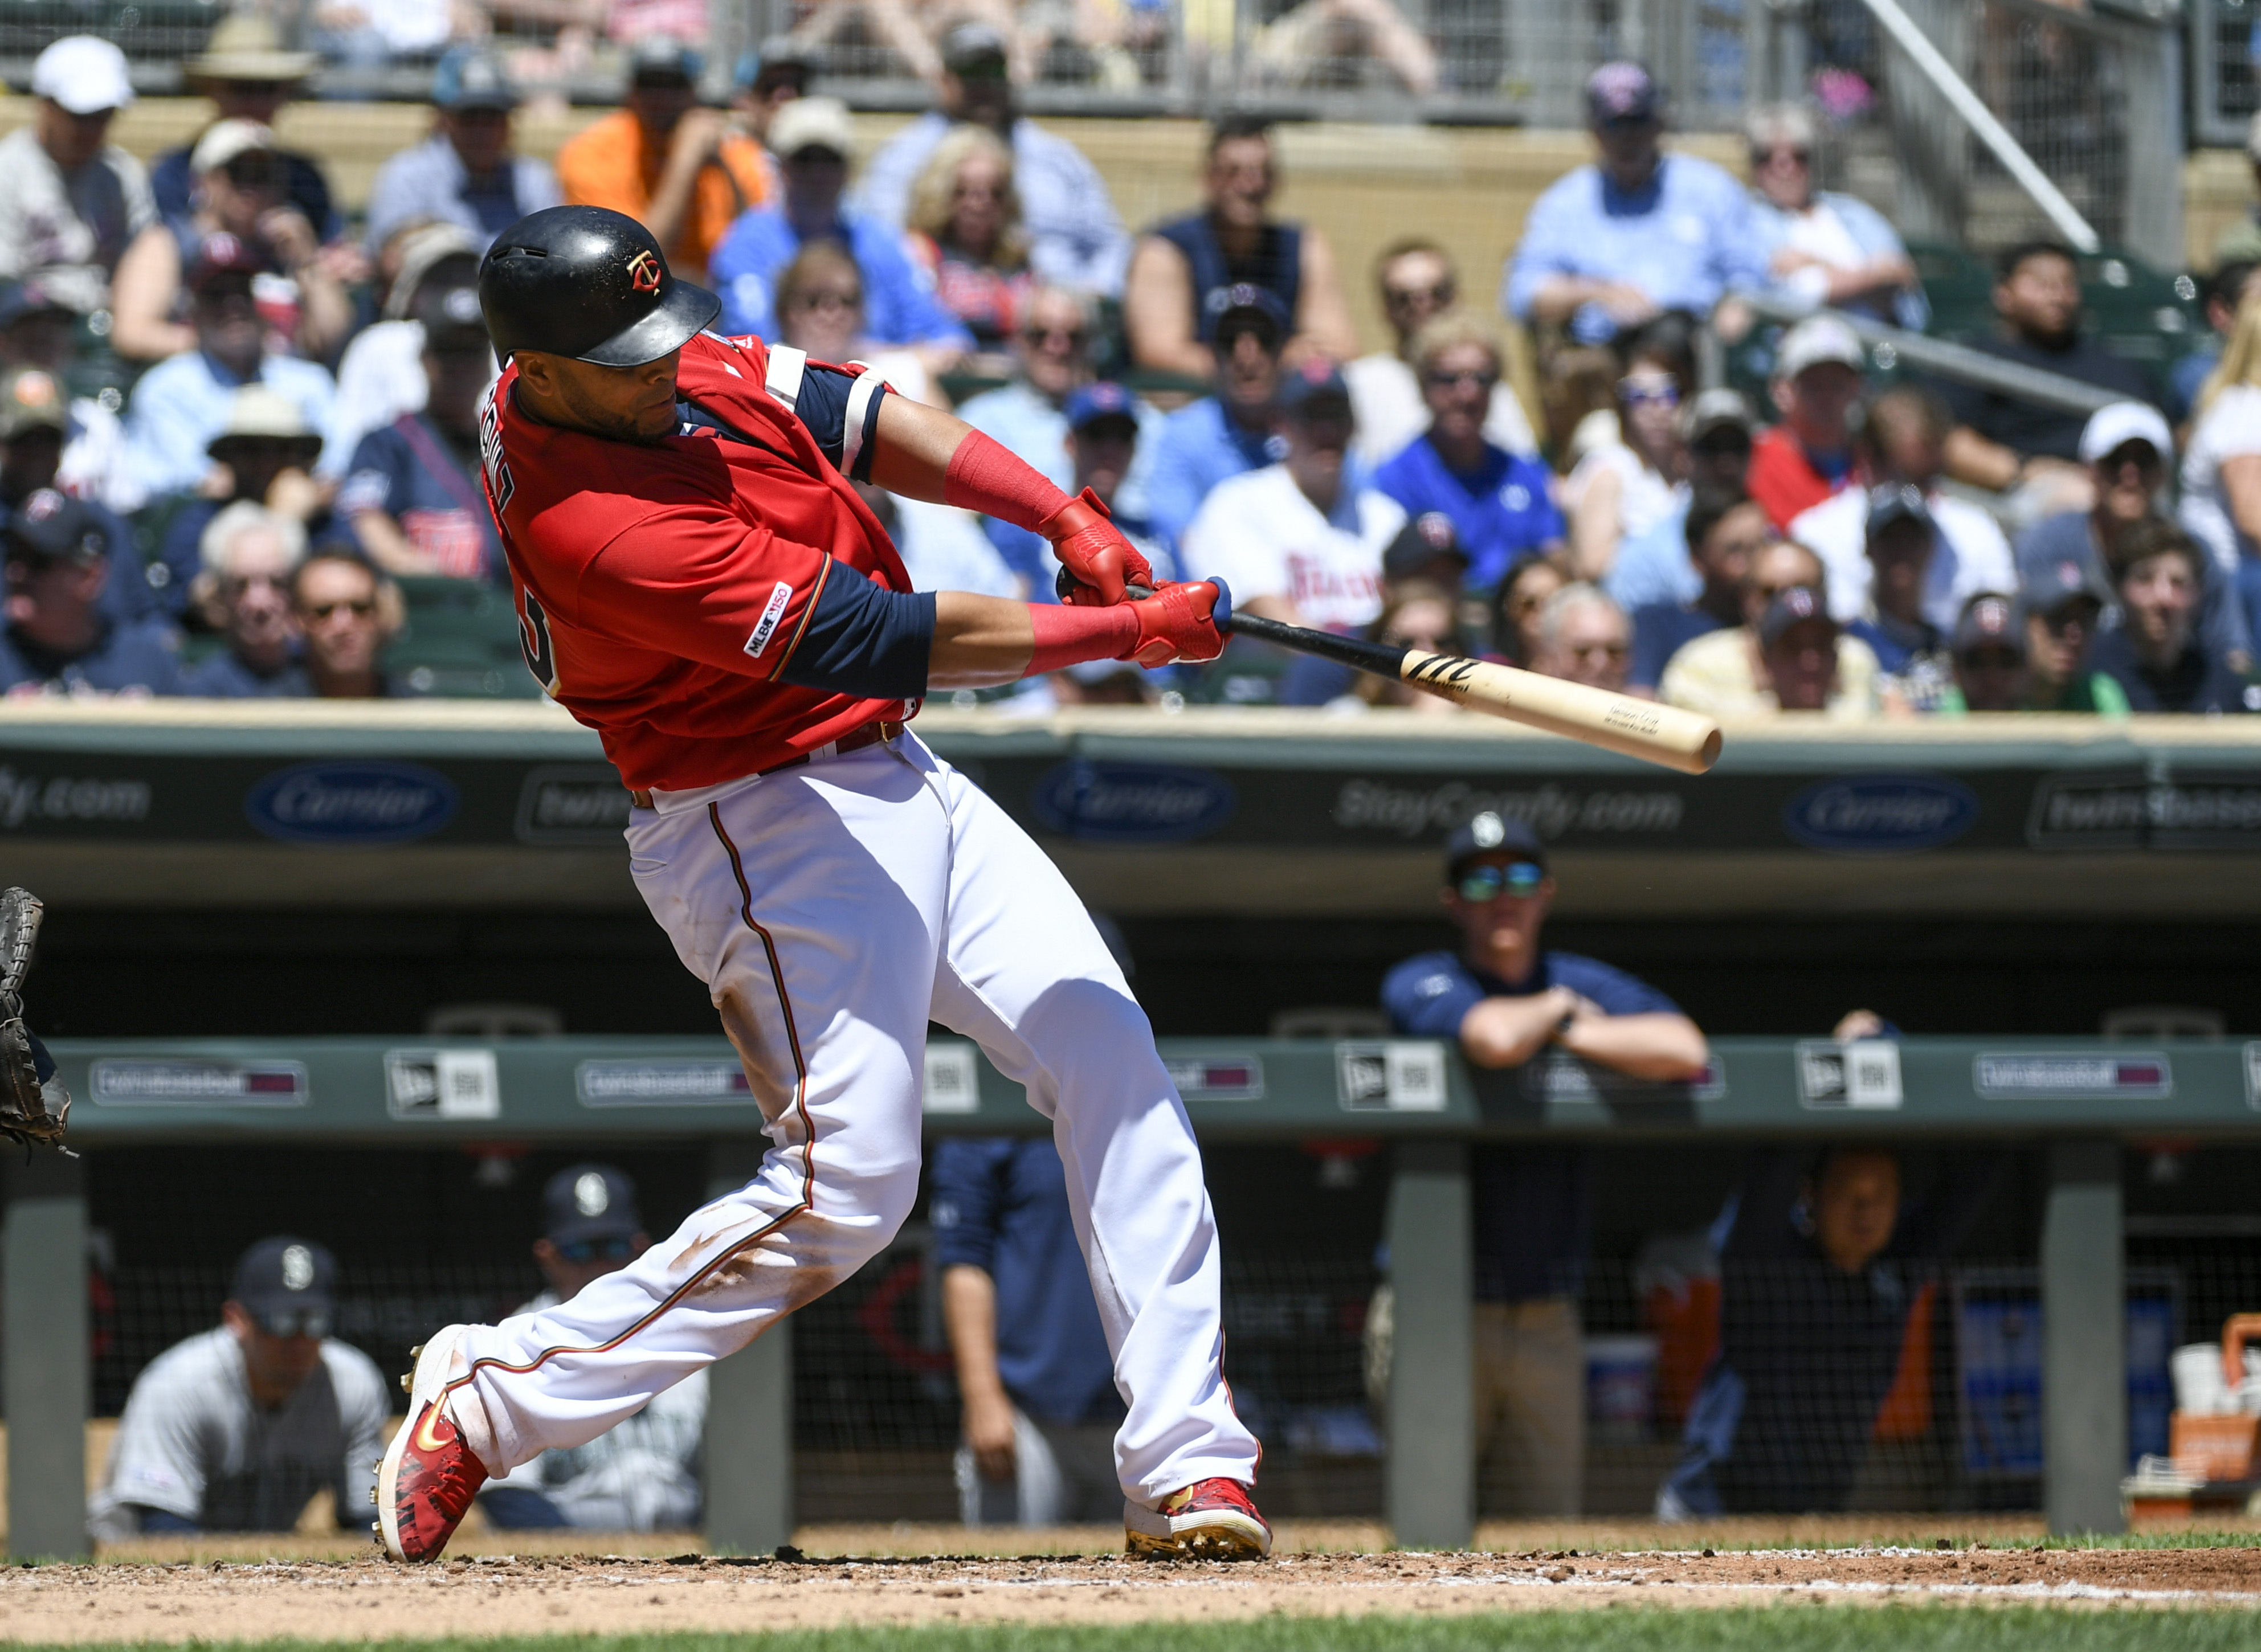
(698, 580)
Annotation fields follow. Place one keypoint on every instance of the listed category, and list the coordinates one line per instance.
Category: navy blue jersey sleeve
(1616, 992)
(1430, 995)
(964, 1179)
(864, 640)
(823, 405)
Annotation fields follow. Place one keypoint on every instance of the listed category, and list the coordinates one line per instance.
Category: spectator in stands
(2220, 505)
(58, 640)
(676, 168)
(1904, 441)
(1584, 637)
(964, 229)
(1075, 238)
(464, 174)
(264, 455)
(37, 331)
(2154, 656)
(811, 136)
(2059, 605)
(1726, 531)
(2240, 240)
(1733, 674)
(1036, 1383)
(765, 82)
(180, 404)
(1186, 271)
(1230, 431)
(2004, 444)
(248, 76)
(2226, 290)
(2129, 452)
(1507, 1001)
(369, 34)
(1808, 457)
(1821, 248)
(382, 377)
(1324, 42)
(1622, 489)
(1501, 504)
(1422, 569)
(1516, 607)
(34, 426)
(413, 494)
(1052, 359)
(820, 309)
(1102, 421)
(1652, 569)
(347, 611)
(1914, 660)
(237, 1428)
(1300, 541)
(641, 1474)
(72, 202)
(1991, 674)
(239, 198)
(1417, 283)
(249, 553)
(1608, 248)
(1819, 1269)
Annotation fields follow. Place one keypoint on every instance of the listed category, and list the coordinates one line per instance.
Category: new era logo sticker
(780, 598)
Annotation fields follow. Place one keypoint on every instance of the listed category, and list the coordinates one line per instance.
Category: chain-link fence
(2224, 94)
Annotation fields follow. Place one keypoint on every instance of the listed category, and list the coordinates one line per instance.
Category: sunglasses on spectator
(597, 1249)
(1612, 650)
(1441, 295)
(1992, 658)
(254, 172)
(361, 609)
(2078, 617)
(1649, 393)
(1482, 380)
(1072, 336)
(1782, 152)
(821, 300)
(314, 1322)
(1522, 880)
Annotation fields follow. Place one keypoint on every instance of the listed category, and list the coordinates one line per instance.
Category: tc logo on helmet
(644, 274)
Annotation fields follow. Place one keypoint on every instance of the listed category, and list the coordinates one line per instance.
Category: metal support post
(47, 1381)
(2083, 1341)
(748, 1444)
(1431, 1484)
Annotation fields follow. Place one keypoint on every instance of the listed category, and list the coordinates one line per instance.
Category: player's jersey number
(533, 642)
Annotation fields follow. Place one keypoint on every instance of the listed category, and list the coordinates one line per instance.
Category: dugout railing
(2075, 1101)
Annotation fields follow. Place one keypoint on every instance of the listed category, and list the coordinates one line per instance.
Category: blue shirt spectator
(2075, 537)
(464, 173)
(411, 472)
(1075, 240)
(1652, 569)
(811, 136)
(1820, 248)
(1001, 1205)
(1104, 437)
(1502, 510)
(248, 76)
(181, 404)
(58, 640)
(1722, 530)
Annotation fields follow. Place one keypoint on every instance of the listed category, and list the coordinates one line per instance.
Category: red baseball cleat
(428, 1477)
(1210, 1520)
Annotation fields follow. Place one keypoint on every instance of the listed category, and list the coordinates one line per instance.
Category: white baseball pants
(833, 910)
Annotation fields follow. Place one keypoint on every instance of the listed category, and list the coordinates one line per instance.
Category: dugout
(1993, 889)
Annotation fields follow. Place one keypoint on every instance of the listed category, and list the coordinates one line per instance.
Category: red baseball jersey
(662, 589)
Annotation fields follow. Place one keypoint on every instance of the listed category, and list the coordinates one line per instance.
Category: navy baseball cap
(589, 1201)
(1622, 91)
(51, 527)
(1791, 609)
(1896, 501)
(471, 77)
(1246, 307)
(1090, 403)
(1429, 539)
(1989, 621)
(1316, 381)
(284, 1280)
(2043, 588)
(1490, 833)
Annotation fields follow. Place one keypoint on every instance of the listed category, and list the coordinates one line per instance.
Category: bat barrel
(1662, 734)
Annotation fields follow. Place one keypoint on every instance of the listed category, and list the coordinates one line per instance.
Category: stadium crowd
(233, 423)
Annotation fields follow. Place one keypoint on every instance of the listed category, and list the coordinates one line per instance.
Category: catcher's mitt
(32, 1109)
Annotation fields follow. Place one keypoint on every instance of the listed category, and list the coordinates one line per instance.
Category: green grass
(1780, 1629)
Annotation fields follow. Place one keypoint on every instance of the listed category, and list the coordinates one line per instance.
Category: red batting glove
(1093, 551)
(1178, 622)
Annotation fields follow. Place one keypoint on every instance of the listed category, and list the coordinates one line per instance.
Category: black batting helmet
(588, 284)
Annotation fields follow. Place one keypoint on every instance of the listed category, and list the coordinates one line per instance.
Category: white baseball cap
(1816, 339)
(2123, 422)
(225, 140)
(85, 74)
(812, 123)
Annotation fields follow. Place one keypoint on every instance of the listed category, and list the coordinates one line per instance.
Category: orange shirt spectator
(675, 167)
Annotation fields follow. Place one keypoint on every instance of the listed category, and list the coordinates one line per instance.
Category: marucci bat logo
(1443, 670)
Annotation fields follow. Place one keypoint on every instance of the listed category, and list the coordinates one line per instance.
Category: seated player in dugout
(699, 580)
(238, 1428)
(1507, 1001)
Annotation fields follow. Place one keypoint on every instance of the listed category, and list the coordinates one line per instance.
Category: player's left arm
(925, 454)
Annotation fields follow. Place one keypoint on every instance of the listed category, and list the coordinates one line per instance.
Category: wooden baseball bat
(1654, 734)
